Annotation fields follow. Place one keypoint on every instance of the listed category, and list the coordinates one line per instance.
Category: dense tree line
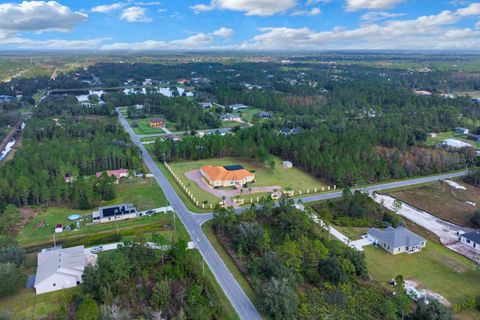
(52, 149)
(296, 271)
(343, 155)
(138, 282)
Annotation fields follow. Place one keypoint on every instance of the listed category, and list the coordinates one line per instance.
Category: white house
(471, 239)
(61, 268)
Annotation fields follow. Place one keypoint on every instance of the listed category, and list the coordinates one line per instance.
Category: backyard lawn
(450, 135)
(435, 267)
(294, 178)
(145, 194)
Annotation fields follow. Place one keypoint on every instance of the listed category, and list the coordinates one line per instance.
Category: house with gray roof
(61, 268)
(396, 240)
(471, 239)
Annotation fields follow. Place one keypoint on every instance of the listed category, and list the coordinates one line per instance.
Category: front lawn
(435, 267)
(295, 178)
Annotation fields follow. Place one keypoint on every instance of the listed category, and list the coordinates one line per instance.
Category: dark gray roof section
(472, 236)
(398, 237)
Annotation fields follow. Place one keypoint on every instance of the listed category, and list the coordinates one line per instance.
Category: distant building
(276, 195)
(264, 115)
(5, 98)
(287, 164)
(228, 176)
(422, 92)
(139, 107)
(474, 137)
(59, 268)
(396, 240)
(471, 239)
(238, 106)
(433, 134)
(172, 137)
(231, 117)
(156, 123)
(205, 105)
(459, 130)
(118, 174)
(116, 212)
(182, 81)
(454, 143)
(69, 178)
(288, 131)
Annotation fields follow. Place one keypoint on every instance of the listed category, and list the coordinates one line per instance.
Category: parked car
(96, 249)
(150, 212)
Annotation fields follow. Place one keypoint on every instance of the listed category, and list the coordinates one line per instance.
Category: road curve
(193, 223)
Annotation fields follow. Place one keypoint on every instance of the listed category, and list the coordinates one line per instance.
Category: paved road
(193, 222)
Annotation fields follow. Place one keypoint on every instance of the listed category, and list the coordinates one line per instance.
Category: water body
(11, 143)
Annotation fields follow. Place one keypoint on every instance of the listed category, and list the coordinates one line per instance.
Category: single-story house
(460, 130)
(182, 81)
(288, 131)
(471, 239)
(474, 137)
(120, 173)
(69, 178)
(238, 106)
(205, 105)
(139, 107)
(228, 176)
(172, 137)
(276, 195)
(116, 212)
(433, 134)
(396, 240)
(287, 164)
(156, 123)
(61, 268)
(264, 115)
(455, 143)
(231, 117)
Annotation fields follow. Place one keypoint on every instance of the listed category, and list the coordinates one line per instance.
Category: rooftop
(472, 236)
(398, 237)
(217, 173)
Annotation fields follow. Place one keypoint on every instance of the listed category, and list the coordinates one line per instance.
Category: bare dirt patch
(443, 201)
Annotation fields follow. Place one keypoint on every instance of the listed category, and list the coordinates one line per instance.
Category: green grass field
(145, 194)
(450, 135)
(293, 178)
(435, 267)
(144, 127)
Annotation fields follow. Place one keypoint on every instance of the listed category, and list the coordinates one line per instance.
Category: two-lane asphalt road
(193, 223)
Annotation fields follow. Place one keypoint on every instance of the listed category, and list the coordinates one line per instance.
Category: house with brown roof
(120, 173)
(156, 123)
(228, 176)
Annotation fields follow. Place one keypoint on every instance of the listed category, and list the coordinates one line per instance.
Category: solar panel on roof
(233, 167)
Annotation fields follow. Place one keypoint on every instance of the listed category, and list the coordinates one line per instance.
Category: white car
(96, 249)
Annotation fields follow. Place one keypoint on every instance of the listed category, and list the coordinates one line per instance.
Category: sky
(249, 25)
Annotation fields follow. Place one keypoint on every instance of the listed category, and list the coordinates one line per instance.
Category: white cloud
(135, 14)
(197, 41)
(473, 9)
(151, 3)
(311, 12)
(39, 16)
(249, 7)
(354, 5)
(223, 32)
(477, 25)
(425, 32)
(108, 7)
(380, 15)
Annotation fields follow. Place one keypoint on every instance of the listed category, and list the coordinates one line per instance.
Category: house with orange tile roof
(229, 176)
(118, 174)
(156, 123)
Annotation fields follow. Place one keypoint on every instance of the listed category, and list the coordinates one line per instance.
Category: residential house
(172, 137)
(474, 137)
(59, 268)
(288, 131)
(460, 130)
(396, 240)
(432, 135)
(455, 143)
(287, 164)
(264, 115)
(118, 174)
(231, 117)
(471, 239)
(156, 123)
(182, 81)
(422, 92)
(228, 176)
(238, 106)
(116, 212)
(205, 105)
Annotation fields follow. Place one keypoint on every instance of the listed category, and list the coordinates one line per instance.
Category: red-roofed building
(120, 173)
(182, 81)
